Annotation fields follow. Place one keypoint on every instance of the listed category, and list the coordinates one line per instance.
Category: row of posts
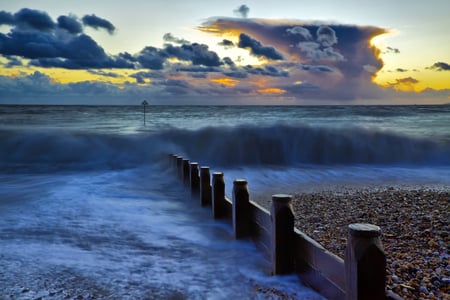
(365, 260)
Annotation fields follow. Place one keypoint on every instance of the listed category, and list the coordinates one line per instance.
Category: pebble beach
(415, 232)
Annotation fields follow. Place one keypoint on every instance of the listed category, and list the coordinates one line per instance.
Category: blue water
(88, 205)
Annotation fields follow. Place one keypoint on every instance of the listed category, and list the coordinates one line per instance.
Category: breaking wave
(222, 146)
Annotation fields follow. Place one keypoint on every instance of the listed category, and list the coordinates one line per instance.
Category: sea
(90, 207)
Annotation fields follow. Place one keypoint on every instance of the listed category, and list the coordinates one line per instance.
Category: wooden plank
(228, 209)
(260, 228)
(319, 268)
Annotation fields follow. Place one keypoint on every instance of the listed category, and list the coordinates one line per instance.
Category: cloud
(6, 18)
(257, 49)
(168, 37)
(103, 73)
(70, 23)
(198, 54)
(151, 58)
(440, 66)
(97, 22)
(326, 36)
(267, 70)
(30, 18)
(401, 70)
(300, 31)
(242, 11)
(13, 61)
(226, 43)
(392, 50)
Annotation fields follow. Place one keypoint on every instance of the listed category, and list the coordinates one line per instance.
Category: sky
(292, 52)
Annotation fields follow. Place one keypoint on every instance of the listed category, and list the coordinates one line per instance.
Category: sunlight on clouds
(271, 91)
(225, 81)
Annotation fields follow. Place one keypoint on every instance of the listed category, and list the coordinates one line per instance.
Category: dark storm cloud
(236, 74)
(346, 50)
(152, 58)
(79, 53)
(226, 43)
(440, 66)
(70, 23)
(198, 69)
(267, 70)
(198, 54)
(257, 49)
(168, 37)
(33, 19)
(242, 11)
(319, 68)
(228, 61)
(6, 18)
(97, 22)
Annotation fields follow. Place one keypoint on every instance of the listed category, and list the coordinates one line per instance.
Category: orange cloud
(271, 91)
(225, 81)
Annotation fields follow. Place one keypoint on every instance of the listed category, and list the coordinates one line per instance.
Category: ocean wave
(291, 145)
(221, 146)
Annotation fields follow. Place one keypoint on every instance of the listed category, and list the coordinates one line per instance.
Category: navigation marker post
(144, 103)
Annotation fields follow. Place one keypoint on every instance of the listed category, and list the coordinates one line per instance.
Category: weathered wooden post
(365, 263)
(194, 179)
(282, 216)
(205, 186)
(240, 208)
(218, 195)
(174, 162)
(186, 173)
(180, 167)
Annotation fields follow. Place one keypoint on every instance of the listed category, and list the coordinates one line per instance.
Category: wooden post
(174, 162)
(194, 179)
(365, 263)
(205, 186)
(180, 167)
(218, 194)
(186, 173)
(240, 208)
(282, 216)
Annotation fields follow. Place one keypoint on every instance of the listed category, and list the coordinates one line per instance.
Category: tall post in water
(205, 186)
(195, 179)
(282, 216)
(240, 208)
(218, 194)
(365, 263)
(180, 167)
(186, 172)
(144, 104)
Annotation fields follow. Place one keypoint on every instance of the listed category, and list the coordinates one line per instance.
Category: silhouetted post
(240, 208)
(195, 179)
(144, 104)
(218, 194)
(186, 173)
(365, 263)
(282, 216)
(205, 186)
(174, 162)
(180, 167)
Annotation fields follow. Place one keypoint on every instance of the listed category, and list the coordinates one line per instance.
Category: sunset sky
(225, 52)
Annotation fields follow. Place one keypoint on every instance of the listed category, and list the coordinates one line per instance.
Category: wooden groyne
(362, 275)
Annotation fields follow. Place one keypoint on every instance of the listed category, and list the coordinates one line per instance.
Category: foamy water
(129, 234)
(89, 206)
